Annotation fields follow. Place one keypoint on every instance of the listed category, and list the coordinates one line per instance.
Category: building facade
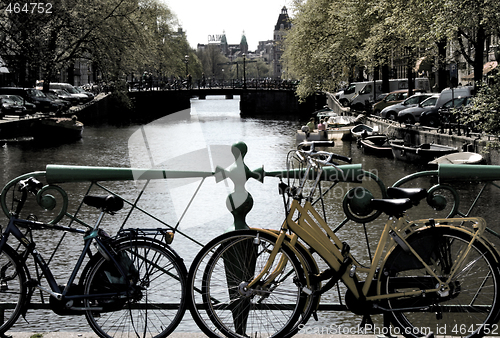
(280, 30)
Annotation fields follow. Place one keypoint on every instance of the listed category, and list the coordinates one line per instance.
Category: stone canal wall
(108, 110)
(265, 102)
(418, 135)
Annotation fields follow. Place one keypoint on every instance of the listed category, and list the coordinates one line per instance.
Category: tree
(116, 36)
(483, 113)
(212, 61)
(469, 24)
(319, 50)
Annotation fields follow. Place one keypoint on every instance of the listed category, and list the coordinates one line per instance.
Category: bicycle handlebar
(313, 144)
(30, 185)
(330, 156)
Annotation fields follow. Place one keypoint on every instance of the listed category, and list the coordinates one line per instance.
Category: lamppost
(222, 78)
(186, 61)
(188, 81)
(244, 73)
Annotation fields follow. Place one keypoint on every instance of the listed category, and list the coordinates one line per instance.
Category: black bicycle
(134, 284)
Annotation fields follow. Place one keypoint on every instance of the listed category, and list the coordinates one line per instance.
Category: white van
(345, 96)
(448, 94)
(365, 95)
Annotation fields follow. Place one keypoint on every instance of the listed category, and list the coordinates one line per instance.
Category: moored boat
(423, 153)
(362, 130)
(325, 112)
(459, 158)
(58, 129)
(376, 145)
(342, 133)
(337, 128)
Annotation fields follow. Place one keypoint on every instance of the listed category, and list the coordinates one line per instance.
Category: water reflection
(212, 122)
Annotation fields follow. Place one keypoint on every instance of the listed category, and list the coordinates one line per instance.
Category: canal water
(199, 139)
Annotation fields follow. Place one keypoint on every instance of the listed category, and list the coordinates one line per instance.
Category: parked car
(434, 118)
(56, 98)
(391, 112)
(445, 96)
(389, 99)
(30, 107)
(412, 115)
(64, 95)
(10, 107)
(364, 98)
(35, 96)
(90, 95)
(77, 96)
(62, 105)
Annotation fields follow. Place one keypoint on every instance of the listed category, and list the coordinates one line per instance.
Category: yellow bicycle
(430, 275)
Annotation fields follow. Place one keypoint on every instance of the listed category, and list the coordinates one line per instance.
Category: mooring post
(240, 201)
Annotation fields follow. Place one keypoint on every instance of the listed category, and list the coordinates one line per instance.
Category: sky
(201, 18)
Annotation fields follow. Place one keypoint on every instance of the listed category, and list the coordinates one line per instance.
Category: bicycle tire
(12, 286)
(209, 290)
(157, 301)
(469, 309)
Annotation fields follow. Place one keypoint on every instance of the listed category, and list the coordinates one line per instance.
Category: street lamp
(244, 73)
(186, 61)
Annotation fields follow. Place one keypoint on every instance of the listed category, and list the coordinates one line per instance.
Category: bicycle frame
(313, 230)
(55, 291)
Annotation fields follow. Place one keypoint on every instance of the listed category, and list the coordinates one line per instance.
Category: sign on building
(215, 38)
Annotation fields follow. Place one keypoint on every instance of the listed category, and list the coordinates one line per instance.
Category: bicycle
(425, 275)
(132, 284)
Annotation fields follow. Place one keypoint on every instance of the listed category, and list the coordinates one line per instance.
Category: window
(391, 97)
(366, 89)
(351, 89)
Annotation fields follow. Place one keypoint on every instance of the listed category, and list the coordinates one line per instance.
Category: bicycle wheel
(12, 287)
(468, 307)
(155, 302)
(223, 307)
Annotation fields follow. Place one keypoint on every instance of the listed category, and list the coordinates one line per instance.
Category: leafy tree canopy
(116, 36)
(333, 40)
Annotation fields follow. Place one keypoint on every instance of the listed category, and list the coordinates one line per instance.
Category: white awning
(3, 67)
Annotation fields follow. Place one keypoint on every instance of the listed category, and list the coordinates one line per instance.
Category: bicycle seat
(392, 207)
(414, 194)
(110, 203)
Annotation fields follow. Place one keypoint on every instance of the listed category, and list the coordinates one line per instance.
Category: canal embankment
(486, 145)
(105, 109)
(147, 106)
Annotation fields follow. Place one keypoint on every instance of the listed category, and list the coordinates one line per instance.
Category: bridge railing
(183, 84)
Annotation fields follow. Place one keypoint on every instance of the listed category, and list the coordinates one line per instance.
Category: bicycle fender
(121, 240)
(23, 269)
(298, 246)
(423, 241)
(302, 248)
(166, 246)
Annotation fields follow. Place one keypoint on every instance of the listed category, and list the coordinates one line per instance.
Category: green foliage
(483, 112)
(335, 41)
(36, 335)
(212, 61)
(117, 37)
(320, 48)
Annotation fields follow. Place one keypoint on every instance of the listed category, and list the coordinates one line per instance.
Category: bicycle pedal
(32, 283)
(345, 249)
(324, 275)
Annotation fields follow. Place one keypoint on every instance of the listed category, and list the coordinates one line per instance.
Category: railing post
(240, 201)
